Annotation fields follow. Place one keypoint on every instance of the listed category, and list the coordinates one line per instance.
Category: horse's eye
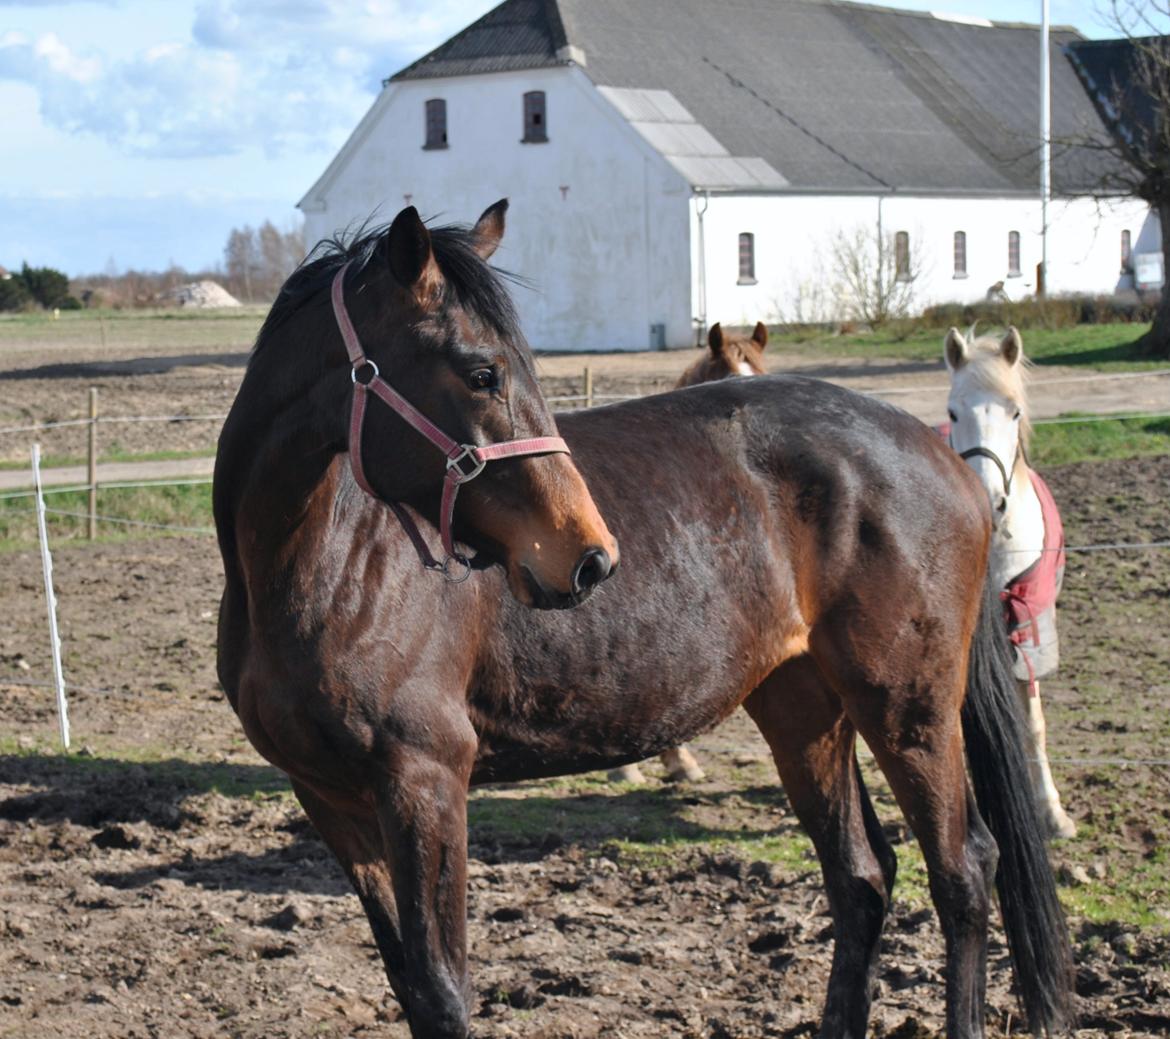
(482, 379)
(953, 416)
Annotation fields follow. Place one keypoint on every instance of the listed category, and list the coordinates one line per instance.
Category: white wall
(607, 258)
(795, 263)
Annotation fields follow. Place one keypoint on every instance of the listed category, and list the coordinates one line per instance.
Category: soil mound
(202, 295)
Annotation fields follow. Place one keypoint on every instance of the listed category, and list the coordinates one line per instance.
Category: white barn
(672, 163)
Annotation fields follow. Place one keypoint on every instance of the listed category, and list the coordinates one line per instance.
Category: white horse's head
(988, 409)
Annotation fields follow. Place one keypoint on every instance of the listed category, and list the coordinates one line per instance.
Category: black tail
(1032, 916)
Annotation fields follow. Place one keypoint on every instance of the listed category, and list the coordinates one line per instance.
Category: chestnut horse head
(438, 326)
(728, 355)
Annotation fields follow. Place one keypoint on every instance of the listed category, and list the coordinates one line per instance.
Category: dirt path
(204, 391)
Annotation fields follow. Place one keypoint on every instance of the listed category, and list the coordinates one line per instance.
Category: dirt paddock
(162, 882)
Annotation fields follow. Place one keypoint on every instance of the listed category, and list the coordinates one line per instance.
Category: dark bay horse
(814, 554)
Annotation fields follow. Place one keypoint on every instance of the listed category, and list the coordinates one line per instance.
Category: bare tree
(876, 274)
(1131, 92)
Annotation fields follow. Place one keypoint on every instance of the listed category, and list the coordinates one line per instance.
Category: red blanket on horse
(1029, 600)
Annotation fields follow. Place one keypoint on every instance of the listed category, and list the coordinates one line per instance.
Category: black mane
(471, 283)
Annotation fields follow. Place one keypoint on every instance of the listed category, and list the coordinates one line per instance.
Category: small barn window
(902, 256)
(747, 259)
(535, 118)
(1013, 254)
(1126, 254)
(436, 110)
(960, 249)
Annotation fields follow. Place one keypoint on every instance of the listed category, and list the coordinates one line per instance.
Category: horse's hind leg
(812, 743)
(915, 736)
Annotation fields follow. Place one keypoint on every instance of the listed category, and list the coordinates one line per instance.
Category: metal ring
(359, 364)
(463, 561)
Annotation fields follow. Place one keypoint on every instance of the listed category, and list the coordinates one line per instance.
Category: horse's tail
(993, 730)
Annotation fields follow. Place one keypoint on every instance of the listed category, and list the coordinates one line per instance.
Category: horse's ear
(955, 349)
(489, 229)
(1011, 346)
(407, 248)
(715, 338)
(760, 334)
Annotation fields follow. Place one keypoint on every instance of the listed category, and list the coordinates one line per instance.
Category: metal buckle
(445, 569)
(361, 364)
(454, 464)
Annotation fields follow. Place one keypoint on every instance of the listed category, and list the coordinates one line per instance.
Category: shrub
(49, 287)
(14, 294)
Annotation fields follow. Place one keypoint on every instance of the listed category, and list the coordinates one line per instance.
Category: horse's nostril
(592, 568)
(1001, 508)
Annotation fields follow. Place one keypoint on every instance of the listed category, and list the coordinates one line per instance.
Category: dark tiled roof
(1111, 73)
(834, 96)
(519, 34)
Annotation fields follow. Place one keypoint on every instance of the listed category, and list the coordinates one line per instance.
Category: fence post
(588, 385)
(93, 415)
(50, 599)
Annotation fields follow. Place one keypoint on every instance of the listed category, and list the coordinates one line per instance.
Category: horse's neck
(1019, 539)
(278, 457)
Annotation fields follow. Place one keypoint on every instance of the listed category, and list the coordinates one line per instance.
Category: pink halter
(464, 461)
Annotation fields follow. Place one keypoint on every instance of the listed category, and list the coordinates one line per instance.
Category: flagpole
(1045, 148)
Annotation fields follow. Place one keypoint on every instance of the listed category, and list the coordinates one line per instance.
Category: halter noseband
(986, 452)
(464, 461)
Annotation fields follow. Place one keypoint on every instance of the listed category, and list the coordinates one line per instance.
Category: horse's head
(728, 355)
(439, 325)
(988, 409)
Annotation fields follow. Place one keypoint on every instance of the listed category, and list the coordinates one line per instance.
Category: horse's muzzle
(594, 566)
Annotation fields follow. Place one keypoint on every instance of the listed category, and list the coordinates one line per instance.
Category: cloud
(279, 75)
(180, 99)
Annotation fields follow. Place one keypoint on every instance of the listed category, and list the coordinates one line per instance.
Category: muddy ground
(163, 883)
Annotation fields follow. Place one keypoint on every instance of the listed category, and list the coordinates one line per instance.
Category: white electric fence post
(50, 599)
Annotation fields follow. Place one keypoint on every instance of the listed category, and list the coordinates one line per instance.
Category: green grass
(187, 773)
(115, 454)
(1059, 443)
(1106, 347)
(182, 505)
(147, 331)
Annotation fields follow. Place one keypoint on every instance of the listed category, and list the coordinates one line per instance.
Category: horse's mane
(986, 368)
(467, 280)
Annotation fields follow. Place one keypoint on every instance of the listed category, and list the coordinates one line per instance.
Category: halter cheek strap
(464, 461)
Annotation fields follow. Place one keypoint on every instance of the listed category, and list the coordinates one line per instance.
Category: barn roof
(821, 94)
(1117, 78)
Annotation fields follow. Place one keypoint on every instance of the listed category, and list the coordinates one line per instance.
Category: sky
(138, 133)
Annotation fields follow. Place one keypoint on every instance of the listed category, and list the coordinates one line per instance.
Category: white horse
(989, 428)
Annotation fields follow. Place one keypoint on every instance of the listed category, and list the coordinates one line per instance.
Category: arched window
(902, 256)
(1126, 254)
(747, 259)
(535, 118)
(436, 112)
(1013, 254)
(960, 250)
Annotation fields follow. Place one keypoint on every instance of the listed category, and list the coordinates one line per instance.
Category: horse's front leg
(1047, 796)
(421, 805)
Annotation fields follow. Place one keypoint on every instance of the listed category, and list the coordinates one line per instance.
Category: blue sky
(139, 132)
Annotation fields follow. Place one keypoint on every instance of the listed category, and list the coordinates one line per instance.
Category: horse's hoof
(626, 774)
(686, 774)
(1061, 827)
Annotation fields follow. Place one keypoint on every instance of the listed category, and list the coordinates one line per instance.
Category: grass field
(127, 333)
(1100, 347)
